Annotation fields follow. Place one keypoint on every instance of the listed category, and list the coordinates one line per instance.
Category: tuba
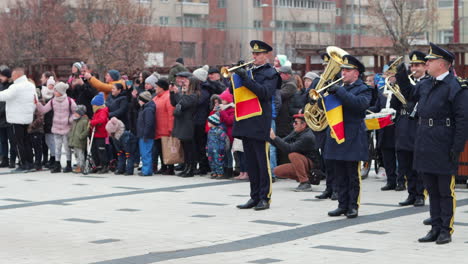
(315, 116)
(394, 88)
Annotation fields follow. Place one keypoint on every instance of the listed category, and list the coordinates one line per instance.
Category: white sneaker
(381, 173)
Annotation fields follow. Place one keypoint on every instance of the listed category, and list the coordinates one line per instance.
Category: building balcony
(191, 8)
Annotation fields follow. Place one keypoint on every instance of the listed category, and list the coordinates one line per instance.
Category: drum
(379, 120)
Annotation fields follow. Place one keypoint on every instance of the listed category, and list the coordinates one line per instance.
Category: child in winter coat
(125, 143)
(218, 143)
(145, 132)
(64, 109)
(47, 93)
(99, 121)
(226, 113)
(78, 136)
(36, 132)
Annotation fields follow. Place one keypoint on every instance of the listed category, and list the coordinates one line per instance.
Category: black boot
(169, 171)
(12, 164)
(227, 174)
(184, 171)
(180, 167)
(103, 170)
(51, 163)
(325, 195)
(68, 168)
(4, 163)
(57, 168)
(190, 171)
(162, 170)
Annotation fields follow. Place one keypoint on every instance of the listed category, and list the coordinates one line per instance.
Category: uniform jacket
(99, 121)
(264, 84)
(355, 99)
(106, 88)
(284, 119)
(146, 121)
(63, 109)
(164, 115)
(183, 122)
(77, 138)
(405, 130)
(19, 101)
(118, 107)
(302, 142)
(439, 101)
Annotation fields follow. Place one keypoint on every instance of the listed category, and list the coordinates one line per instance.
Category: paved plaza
(107, 219)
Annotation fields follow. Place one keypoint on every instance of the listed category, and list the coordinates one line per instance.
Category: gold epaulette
(463, 82)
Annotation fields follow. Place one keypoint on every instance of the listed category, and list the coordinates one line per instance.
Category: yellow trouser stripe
(267, 152)
(454, 200)
(426, 194)
(359, 176)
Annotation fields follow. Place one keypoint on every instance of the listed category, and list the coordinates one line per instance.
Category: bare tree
(112, 33)
(402, 20)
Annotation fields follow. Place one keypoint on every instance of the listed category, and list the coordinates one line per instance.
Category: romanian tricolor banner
(374, 123)
(247, 103)
(334, 113)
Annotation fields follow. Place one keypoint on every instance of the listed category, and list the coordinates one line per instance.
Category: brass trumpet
(226, 72)
(410, 79)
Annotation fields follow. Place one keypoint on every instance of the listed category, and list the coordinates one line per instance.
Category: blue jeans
(273, 161)
(146, 153)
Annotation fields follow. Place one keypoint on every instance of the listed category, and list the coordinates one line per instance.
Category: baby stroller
(89, 162)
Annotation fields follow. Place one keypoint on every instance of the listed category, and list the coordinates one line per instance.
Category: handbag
(172, 151)
(178, 110)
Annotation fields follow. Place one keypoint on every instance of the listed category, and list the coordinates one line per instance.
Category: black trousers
(389, 161)
(441, 189)
(200, 146)
(348, 183)
(330, 171)
(7, 136)
(99, 152)
(258, 167)
(189, 152)
(37, 140)
(405, 170)
(23, 144)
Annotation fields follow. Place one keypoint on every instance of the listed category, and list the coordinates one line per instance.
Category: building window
(257, 3)
(165, 1)
(188, 49)
(164, 21)
(221, 3)
(446, 36)
(144, 1)
(221, 25)
(257, 24)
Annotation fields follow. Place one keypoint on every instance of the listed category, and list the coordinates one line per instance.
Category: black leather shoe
(409, 201)
(337, 212)
(250, 204)
(325, 195)
(444, 237)
(430, 237)
(427, 221)
(334, 196)
(400, 187)
(262, 205)
(388, 187)
(179, 167)
(352, 213)
(419, 202)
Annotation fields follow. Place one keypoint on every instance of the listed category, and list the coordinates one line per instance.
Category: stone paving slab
(174, 220)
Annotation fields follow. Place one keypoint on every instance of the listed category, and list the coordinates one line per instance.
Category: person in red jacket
(227, 119)
(99, 121)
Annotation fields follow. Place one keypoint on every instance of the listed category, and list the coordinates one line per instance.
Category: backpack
(69, 107)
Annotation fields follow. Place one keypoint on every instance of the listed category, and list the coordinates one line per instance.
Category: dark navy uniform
(440, 137)
(355, 99)
(406, 125)
(255, 131)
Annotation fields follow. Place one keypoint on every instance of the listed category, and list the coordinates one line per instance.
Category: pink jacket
(63, 114)
(227, 118)
(164, 115)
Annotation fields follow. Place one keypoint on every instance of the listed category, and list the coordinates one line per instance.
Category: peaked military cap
(260, 46)
(417, 56)
(350, 62)
(436, 52)
(325, 58)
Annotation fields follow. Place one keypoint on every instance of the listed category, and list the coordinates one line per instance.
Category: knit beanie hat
(180, 60)
(201, 74)
(162, 83)
(282, 59)
(116, 127)
(50, 81)
(311, 75)
(81, 110)
(214, 119)
(226, 96)
(145, 97)
(114, 74)
(98, 99)
(6, 72)
(152, 79)
(78, 65)
(61, 88)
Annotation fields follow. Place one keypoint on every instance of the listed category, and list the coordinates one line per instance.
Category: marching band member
(440, 137)
(355, 97)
